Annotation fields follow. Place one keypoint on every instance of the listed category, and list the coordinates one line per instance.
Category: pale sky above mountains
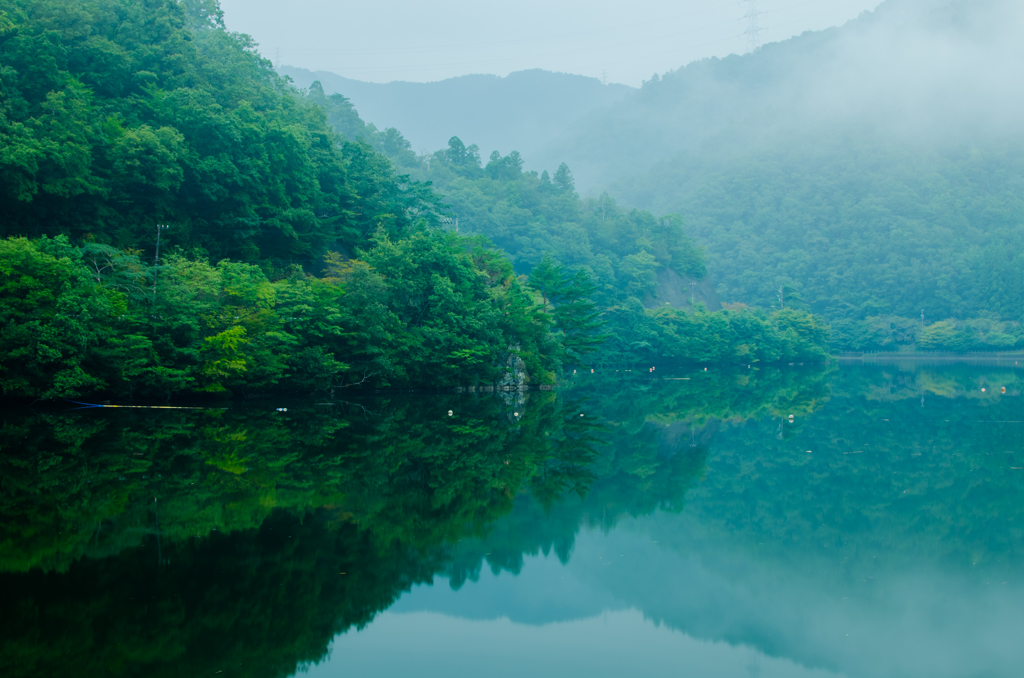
(422, 42)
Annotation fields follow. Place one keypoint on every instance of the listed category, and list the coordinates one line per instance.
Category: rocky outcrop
(513, 368)
(674, 290)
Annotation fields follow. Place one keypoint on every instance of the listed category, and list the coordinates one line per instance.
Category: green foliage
(639, 336)
(459, 308)
(432, 310)
(52, 318)
(858, 225)
(548, 279)
(117, 115)
(573, 315)
(578, 319)
(158, 114)
(530, 216)
(893, 333)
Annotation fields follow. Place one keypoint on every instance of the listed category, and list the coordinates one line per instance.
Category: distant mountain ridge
(873, 170)
(910, 68)
(519, 112)
(871, 173)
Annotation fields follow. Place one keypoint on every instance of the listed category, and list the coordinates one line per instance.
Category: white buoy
(449, 413)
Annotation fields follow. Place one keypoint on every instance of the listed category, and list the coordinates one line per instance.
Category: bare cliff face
(674, 290)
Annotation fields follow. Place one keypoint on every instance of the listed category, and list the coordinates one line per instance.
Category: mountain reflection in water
(679, 527)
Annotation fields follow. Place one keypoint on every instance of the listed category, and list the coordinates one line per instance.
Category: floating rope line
(144, 407)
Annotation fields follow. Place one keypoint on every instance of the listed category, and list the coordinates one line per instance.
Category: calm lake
(674, 523)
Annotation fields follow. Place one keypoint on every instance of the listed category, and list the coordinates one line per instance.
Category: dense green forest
(533, 216)
(119, 115)
(430, 309)
(528, 214)
(857, 227)
(303, 249)
(824, 165)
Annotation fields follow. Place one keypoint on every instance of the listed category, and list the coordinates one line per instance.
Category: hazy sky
(389, 40)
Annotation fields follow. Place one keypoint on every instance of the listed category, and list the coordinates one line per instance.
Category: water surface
(683, 525)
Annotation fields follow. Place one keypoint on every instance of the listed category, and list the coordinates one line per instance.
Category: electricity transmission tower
(752, 34)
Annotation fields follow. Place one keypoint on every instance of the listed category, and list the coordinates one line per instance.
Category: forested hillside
(121, 115)
(870, 171)
(296, 256)
(638, 267)
(855, 228)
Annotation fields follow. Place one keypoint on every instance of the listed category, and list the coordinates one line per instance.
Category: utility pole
(156, 259)
(692, 285)
(782, 301)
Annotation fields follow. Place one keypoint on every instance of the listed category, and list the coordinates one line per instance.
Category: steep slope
(118, 115)
(519, 112)
(866, 171)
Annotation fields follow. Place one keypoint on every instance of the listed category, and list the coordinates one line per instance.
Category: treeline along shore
(296, 258)
(178, 219)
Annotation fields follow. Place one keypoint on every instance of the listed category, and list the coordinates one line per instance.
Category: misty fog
(551, 339)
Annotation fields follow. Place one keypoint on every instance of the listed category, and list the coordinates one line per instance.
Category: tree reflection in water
(279, 530)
